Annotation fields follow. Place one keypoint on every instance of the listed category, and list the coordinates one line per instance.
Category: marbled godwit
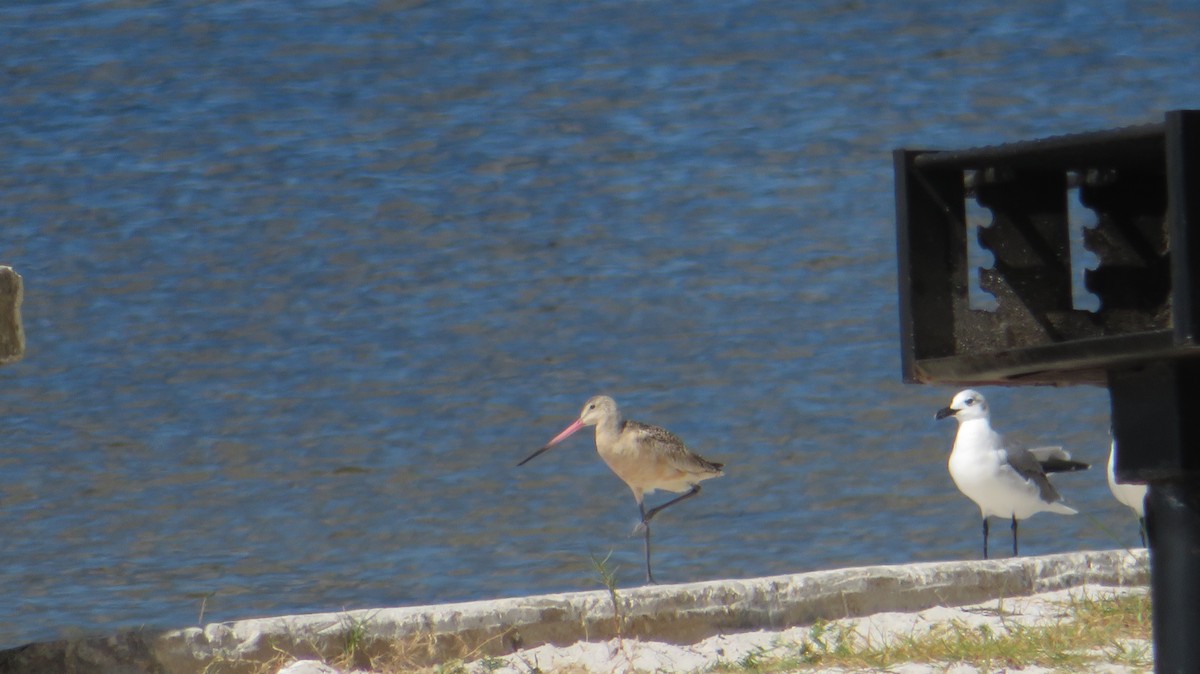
(1132, 495)
(1004, 481)
(645, 457)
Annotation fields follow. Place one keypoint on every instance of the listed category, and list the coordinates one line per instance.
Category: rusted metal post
(12, 334)
(1154, 411)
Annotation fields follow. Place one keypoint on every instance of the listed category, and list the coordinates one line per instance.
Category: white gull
(1132, 495)
(1003, 480)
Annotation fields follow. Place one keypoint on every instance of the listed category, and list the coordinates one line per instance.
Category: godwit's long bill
(645, 457)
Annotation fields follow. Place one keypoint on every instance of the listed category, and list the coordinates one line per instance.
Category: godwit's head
(966, 405)
(595, 410)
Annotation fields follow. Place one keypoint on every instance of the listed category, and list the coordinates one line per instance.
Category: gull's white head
(966, 405)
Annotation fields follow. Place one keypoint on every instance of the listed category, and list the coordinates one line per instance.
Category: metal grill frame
(1035, 336)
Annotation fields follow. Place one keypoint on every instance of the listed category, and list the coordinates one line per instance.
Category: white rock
(309, 667)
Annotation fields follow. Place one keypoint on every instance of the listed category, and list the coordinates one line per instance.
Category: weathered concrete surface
(1002, 617)
(681, 614)
(12, 335)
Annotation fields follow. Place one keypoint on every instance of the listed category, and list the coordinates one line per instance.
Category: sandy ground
(738, 652)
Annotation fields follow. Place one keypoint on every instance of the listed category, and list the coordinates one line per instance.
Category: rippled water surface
(305, 280)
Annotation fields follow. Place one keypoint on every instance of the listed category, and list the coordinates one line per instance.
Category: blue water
(305, 280)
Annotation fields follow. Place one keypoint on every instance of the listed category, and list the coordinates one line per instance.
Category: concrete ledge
(681, 614)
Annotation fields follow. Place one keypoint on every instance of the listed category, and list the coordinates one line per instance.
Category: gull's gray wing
(1027, 465)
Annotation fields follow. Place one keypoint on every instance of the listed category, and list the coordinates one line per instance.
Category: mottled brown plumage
(645, 457)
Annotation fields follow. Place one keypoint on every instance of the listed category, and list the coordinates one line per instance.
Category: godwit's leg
(647, 516)
(1142, 529)
(1014, 528)
(646, 526)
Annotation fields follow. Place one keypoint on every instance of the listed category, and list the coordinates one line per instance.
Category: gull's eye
(969, 401)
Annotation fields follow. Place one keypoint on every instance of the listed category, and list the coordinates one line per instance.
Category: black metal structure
(1143, 342)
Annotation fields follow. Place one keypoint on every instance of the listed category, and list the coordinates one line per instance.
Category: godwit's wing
(669, 448)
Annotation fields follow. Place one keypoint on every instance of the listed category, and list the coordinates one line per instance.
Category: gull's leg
(985, 533)
(1014, 528)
